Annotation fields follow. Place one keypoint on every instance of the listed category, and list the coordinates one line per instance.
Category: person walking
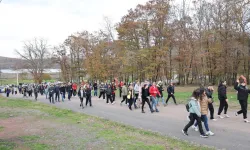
(62, 91)
(109, 95)
(88, 95)
(69, 90)
(124, 94)
(209, 92)
(74, 88)
(120, 88)
(57, 93)
(51, 94)
(160, 89)
(113, 87)
(136, 90)
(95, 86)
(36, 91)
(242, 96)
(130, 96)
(145, 98)
(194, 114)
(171, 91)
(204, 102)
(153, 91)
(102, 91)
(222, 95)
(81, 94)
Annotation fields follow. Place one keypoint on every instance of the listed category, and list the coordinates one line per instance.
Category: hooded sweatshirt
(222, 92)
(243, 91)
(194, 107)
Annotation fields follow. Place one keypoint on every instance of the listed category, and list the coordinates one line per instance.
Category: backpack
(188, 106)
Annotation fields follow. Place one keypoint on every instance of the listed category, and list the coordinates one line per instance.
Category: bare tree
(36, 56)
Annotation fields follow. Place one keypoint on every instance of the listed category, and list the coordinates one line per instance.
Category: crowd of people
(135, 95)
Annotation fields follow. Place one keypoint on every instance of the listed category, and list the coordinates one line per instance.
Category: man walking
(171, 93)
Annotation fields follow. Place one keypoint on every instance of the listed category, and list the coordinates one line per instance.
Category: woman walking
(204, 102)
(222, 95)
(195, 114)
(81, 94)
(145, 98)
(243, 91)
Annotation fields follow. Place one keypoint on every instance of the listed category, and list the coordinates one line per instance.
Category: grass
(7, 145)
(114, 135)
(1, 128)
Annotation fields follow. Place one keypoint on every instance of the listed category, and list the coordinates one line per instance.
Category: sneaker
(210, 133)
(196, 129)
(113, 103)
(236, 114)
(107, 103)
(185, 133)
(221, 117)
(157, 110)
(193, 127)
(142, 111)
(204, 136)
(226, 116)
(246, 121)
(214, 119)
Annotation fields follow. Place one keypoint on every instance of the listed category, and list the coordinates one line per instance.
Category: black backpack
(188, 106)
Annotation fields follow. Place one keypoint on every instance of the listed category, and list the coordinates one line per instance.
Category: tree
(37, 57)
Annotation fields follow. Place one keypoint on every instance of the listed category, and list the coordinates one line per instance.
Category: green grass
(31, 142)
(115, 135)
(7, 145)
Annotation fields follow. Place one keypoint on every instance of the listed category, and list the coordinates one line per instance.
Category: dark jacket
(62, 89)
(209, 93)
(51, 90)
(113, 88)
(57, 90)
(102, 88)
(109, 91)
(222, 92)
(243, 92)
(170, 90)
(69, 88)
(95, 86)
(88, 91)
(145, 93)
(80, 93)
(160, 89)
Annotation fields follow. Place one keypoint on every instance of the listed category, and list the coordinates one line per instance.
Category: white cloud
(54, 20)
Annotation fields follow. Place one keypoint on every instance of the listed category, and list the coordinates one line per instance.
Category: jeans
(143, 103)
(205, 120)
(162, 99)
(154, 103)
(57, 98)
(88, 100)
(63, 96)
(69, 95)
(95, 92)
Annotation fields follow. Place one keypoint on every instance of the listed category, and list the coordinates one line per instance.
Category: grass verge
(106, 134)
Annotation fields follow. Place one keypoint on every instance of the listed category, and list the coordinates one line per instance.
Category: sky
(54, 20)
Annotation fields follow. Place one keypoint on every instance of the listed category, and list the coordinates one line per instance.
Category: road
(231, 133)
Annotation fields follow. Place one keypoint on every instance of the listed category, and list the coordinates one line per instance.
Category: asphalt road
(231, 133)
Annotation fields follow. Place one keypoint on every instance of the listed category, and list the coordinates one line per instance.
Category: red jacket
(153, 90)
(74, 86)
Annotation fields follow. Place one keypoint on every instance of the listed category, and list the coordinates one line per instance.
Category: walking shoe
(221, 117)
(196, 129)
(157, 110)
(113, 103)
(214, 119)
(226, 116)
(204, 136)
(193, 127)
(143, 111)
(236, 114)
(210, 133)
(185, 133)
(246, 121)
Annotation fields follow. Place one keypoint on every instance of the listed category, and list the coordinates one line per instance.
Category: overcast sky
(54, 20)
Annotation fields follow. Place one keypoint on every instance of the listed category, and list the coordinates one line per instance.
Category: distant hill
(14, 63)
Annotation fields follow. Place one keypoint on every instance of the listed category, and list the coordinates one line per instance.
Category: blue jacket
(194, 107)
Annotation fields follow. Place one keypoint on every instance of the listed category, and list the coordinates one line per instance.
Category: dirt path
(231, 133)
